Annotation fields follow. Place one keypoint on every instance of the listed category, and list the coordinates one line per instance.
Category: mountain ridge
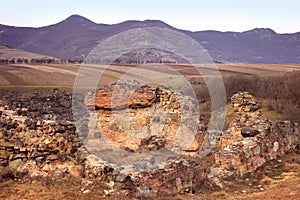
(75, 36)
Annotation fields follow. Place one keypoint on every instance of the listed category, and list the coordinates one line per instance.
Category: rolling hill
(76, 36)
(9, 53)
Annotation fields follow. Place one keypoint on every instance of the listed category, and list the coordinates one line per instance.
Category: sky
(283, 16)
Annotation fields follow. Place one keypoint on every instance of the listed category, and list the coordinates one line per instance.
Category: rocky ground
(279, 180)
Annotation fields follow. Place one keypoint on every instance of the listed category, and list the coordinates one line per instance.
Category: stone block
(256, 151)
(275, 146)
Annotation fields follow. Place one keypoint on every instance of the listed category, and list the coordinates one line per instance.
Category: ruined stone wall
(176, 176)
(146, 112)
(35, 146)
(144, 124)
(37, 138)
(252, 140)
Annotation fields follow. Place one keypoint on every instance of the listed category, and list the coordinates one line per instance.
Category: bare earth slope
(9, 53)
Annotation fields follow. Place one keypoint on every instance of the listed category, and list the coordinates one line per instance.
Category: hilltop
(76, 36)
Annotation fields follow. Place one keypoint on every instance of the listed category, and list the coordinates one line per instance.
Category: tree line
(35, 61)
(280, 93)
(276, 93)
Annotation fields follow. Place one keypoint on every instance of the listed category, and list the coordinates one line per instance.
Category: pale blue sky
(283, 16)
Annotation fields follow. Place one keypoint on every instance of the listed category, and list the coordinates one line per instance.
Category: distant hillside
(76, 36)
(8, 53)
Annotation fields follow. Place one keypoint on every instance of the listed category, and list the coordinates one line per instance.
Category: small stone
(106, 192)
(52, 157)
(47, 141)
(275, 146)
(3, 154)
(156, 119)
(39, 161)
(247, 109)
(38, 123)
(86, 191)
(76, 171)
(249, 132)
(296, 160)
(236, 105)
(15, 164)
(57, 174)
(108, 169)
(97, 135)
(111, 184)
(113, 127)
(243, 119)
(111, 191)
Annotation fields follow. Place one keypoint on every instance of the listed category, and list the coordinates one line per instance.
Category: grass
(278, 177)
(270, 114)
(230, 114)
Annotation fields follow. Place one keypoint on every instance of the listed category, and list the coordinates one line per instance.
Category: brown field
(63, 75)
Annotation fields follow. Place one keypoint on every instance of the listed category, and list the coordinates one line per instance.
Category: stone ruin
(37, 142)
(148, 136)
(251, 139)
(147, 118)
(34, 141)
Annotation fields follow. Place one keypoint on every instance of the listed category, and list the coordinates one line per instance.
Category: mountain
(76, 36)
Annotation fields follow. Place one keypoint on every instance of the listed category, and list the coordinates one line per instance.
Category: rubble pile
(251, 140)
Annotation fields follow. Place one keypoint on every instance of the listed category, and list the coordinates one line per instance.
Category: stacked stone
(53, 105)
(147, 111)
(181, 176)
(248, 121)
(251, 139)
(122, 96)
(39, 142)
(169, 101)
